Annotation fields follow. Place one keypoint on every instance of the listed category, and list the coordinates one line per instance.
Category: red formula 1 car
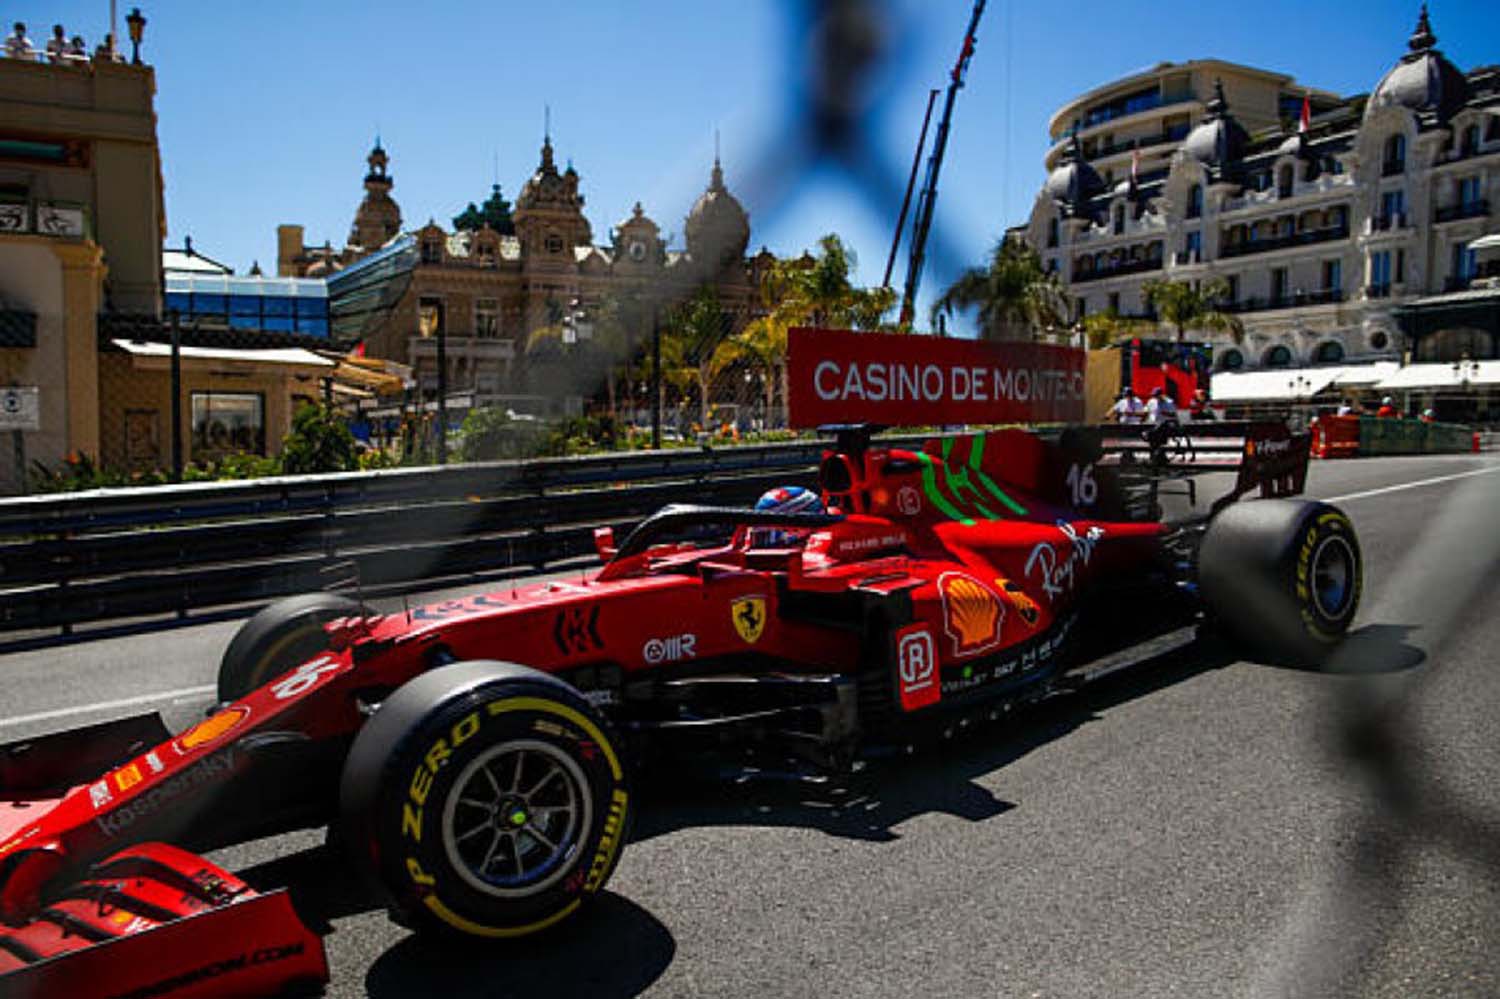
(476, 755)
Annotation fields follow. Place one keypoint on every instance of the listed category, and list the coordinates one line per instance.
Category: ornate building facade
(488, 289)
(1327, 228)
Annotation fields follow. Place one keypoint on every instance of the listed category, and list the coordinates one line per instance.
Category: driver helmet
(784, 499)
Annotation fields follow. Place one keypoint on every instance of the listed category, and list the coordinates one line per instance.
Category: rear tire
(283, 635)
(485, 799)
(1285, 575)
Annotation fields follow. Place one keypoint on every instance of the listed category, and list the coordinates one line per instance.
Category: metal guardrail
(105, 555)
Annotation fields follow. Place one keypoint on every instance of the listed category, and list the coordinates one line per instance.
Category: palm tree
(1014, 295)
(693, 340)
(1105, 328)
(1181, 305)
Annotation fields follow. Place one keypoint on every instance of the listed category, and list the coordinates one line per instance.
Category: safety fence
(112, 554)
(1355, 436)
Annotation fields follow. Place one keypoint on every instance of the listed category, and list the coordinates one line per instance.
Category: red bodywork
(986, 544)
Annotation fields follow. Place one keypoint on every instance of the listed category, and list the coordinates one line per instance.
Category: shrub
(319, 441)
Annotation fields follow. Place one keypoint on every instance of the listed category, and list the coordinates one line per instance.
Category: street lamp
(137, 25)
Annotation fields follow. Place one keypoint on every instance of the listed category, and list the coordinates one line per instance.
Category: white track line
(1411, 485)
(182, 694)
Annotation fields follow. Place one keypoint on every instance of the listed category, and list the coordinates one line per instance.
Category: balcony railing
(1458, 283)
(1099, 116)
(1324, 296)
(1382, 223)
(1183, 258)
(1378, 291)
(1463, 210)
(1391, 168)
(1118, 270)
(1304, 238)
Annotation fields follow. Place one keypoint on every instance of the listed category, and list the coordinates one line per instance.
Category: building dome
(1074, 182)
(1423, 81)
(378, 217)
(718, 229)
(1218, 142)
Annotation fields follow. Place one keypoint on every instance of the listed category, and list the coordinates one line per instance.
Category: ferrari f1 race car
(475, 756)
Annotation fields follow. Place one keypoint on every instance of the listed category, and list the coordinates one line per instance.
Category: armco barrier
(1352, 436)
(67, 560)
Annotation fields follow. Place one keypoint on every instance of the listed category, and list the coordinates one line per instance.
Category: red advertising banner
(839, 376)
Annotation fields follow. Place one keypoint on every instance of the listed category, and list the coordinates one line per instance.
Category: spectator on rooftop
(18, 46)
(57, 45)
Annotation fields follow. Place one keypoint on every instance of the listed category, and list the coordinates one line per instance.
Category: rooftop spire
(1422, 38)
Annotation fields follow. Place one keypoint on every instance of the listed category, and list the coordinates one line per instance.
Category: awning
(1490, 242)
(1366, 374)
(286, 355)
(1271, 384)
(1452, 375)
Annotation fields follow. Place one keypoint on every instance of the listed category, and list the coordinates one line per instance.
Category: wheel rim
(1333, 577)
(515, 816)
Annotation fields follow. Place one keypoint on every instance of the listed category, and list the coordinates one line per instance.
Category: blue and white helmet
(790, 499)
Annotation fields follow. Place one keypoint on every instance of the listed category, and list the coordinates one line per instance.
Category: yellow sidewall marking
(562, 710)
(458, 922)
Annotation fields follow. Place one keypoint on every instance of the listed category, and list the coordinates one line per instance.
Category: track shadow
(941, 776)
(1371, 650)
(616, 948)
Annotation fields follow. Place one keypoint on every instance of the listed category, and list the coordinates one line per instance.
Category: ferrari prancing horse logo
(749, 616)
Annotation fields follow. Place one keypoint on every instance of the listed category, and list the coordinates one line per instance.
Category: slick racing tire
(1285, 575)
(283, 635)
(485, 799)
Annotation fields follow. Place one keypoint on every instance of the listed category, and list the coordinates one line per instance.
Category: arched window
(1279, 356)
(1395, 155)
(1231, 360)
(1195, 201)
(432, 250)
(1329, 352)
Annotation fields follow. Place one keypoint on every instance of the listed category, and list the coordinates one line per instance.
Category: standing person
(57, 45)
(18, 46)
(1387, 408)
(1160, 408)
(1129, 409)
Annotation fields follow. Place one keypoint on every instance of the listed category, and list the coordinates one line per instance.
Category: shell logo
(972, 613)
(212, 729)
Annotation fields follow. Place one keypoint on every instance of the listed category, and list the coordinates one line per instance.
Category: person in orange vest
(1387, 408)
(1427, 416)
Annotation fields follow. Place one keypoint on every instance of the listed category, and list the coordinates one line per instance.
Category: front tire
(486, 799)
(1285, 575)
(282, 635)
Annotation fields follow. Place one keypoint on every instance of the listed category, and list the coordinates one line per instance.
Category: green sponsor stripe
(976, 454)
(935, 495)
(958, 482)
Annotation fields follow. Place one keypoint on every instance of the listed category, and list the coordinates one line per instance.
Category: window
(432, 251)
(486, 318)
(1081, 310)
(1233, 281)
(1333, 275)
(1119, 219)
(429, 316)
(228, 423)
(1114, 302)
(1329, 352)
(1379, 340)
(1195, 201)
(1051, 233)
(1279, 356)
(1493, 131)
(1284, 181)
(1464, 264)
(1380, 271)
(1395, 155)
(1400, 266)
(486, 254)
(1468, 192)
(1278, 284)
(1470, 143)
(1232, 360)
(554, 243)
(1393, 208)
(1194, 246)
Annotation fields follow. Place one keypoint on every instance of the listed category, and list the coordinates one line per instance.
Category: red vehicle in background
(1181, 370)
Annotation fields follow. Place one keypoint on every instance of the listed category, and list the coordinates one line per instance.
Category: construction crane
(927, 200)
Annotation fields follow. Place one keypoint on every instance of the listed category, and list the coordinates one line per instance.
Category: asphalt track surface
(1197, 825)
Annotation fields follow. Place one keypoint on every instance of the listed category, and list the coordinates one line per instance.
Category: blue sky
(266, 111)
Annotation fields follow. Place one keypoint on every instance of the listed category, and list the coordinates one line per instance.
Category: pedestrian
(1160, 408)
(1129, 409)
(57, 45)
(1387, 408)
(1345, 409)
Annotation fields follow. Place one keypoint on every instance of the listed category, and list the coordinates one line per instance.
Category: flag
(359, 349)
(1306, 122)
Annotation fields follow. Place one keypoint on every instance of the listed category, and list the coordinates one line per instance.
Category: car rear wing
(1265, 455)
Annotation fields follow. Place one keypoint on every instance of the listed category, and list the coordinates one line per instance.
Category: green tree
(692, 345)
(1181, 305)
(1105, 328)
(1014, 295)
(319, 441)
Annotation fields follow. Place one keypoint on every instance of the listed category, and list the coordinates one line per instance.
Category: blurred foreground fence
(101, 556)
(107, 555)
